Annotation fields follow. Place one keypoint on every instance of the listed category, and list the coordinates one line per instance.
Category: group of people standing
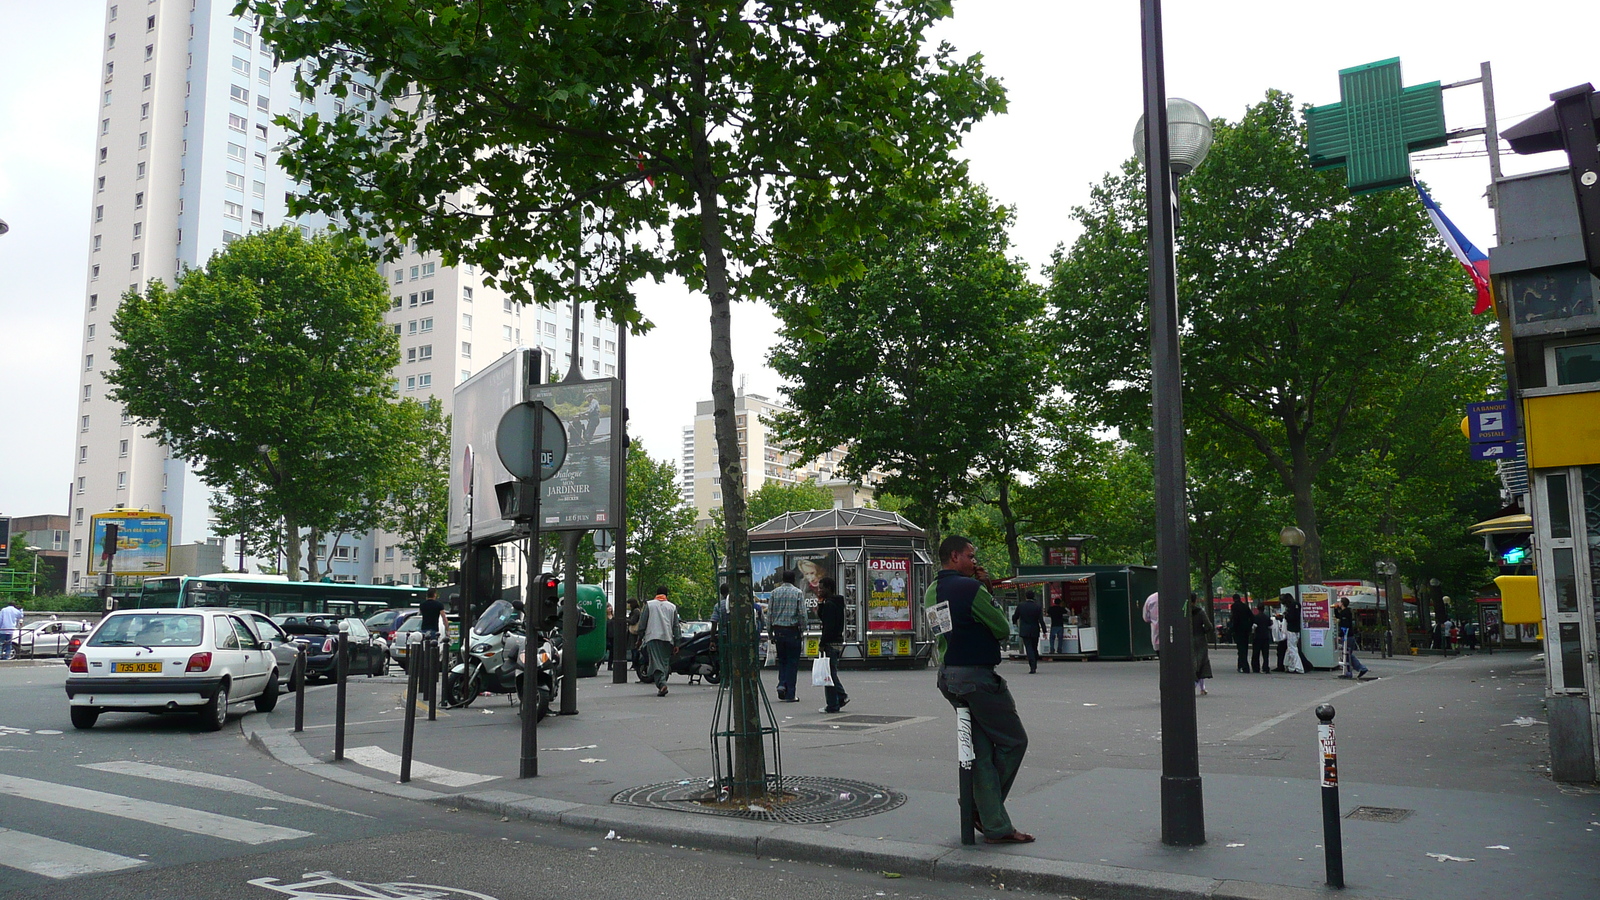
(1256, 633)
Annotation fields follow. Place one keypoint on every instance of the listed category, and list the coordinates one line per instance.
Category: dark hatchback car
(367, 654)
(386, 622)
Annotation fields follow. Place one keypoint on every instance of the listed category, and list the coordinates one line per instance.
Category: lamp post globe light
(1182, 808)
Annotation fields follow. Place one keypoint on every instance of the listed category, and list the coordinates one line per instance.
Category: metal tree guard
(725, 732)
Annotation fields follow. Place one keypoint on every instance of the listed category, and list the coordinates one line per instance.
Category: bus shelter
(1105, 606)
(879, 561)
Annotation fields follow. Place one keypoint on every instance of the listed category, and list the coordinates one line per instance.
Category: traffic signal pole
(529, 762)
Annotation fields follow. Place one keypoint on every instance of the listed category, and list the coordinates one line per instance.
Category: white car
(48, 637)
(157, 660)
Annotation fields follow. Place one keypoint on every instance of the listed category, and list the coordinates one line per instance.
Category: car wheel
(84, 716)
(214, 714)
(269, 697)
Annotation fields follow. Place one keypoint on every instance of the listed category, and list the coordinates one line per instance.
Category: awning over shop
(1512, 524)
(1026, 580)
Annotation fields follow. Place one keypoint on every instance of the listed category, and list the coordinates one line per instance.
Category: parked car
(410, 633)
(160, 660)
(366, 654)
(387, 622)
(284, 649)
(49, 637)
(687, 630)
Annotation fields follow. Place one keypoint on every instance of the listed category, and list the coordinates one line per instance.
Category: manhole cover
(813, 800)
(1379, 814)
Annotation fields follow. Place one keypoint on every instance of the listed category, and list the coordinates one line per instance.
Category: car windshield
(149, 631)
(497, 618)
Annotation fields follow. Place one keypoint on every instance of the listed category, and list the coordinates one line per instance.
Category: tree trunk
(311, 554)
(1305, 518)
(291, 546)
(1395, 592)
(749, 751)
(1009, 521)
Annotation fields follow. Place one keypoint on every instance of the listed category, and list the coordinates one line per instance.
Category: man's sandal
(1015, 837)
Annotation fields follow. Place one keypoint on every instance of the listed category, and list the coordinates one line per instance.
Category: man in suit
(1029, 619)
(1241, 621)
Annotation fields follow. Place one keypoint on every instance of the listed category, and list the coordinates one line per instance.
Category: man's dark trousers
(1030, 647)
(787, 637)
(1243, 641)
(834, 697)
(999, 741)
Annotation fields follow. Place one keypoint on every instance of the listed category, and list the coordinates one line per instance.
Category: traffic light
(548, 598)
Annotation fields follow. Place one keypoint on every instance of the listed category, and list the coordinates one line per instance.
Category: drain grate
(813, 801)
(1379, 814)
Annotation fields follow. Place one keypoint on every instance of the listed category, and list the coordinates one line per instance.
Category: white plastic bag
(821, 672)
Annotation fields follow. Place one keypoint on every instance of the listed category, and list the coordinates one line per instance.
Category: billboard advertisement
(478, 405)
(578, 497)
(143, 543)
(888, 608)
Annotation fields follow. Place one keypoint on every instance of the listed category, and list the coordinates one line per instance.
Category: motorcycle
(696, 657)
(494, 645)
(547, 664)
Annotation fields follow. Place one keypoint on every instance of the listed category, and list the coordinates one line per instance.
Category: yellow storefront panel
(1562, 430)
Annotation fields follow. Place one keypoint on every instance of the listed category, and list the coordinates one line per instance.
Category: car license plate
(136, 667)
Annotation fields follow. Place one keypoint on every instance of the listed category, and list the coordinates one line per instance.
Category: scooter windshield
(497, 618)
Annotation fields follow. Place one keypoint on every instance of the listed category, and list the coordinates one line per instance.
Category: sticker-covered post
(1332, 840)
(965, 756)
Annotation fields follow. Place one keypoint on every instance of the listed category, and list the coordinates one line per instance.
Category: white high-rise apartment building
(185, 164)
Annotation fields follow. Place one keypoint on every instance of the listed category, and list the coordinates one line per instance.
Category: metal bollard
(965, 756)
(411, 723)
(529, 763)
(444, 671)
(431, 652)
(1332, 839)
(299, 680)
(339, 669)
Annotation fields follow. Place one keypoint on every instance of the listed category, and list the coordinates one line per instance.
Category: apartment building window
(427, 297)
(88, 366)
(399, 277)
(237, 122)
(77, 516)
(133, 261)
(144, 112)
(594, 366)
(105, 127)
(427, 325)
(236, 181)
(411, 382)
(110, 67)
(77, 550)
(94, 243)
(144, 139)
(425, 352)
(507, 304)
(424, 380)
(94, 302)
(414, 271)
(241, 37)
(91, 331)
(596, 341)
(229, 237)
(107, 99)
(411, 354)
(466, 322)
(263, 104)
(505, 332)
(149, 52)
(395, 302)
(241, 65)
(238, 93)
(232, 210)
(147, 81)
(150, 23)
(138, 201)
(466, 350)
(611, 370)
(236, 151)
(611, 346)
(261, 132)
(261, 163)
(412, 326)
(465, 374)
(122, 449)
(83, 423)
(427, 270)
(138, 230)
(82, 482)
(519, 335)
(122, 481)
(94, 272)
(397, 329)
(103, 152)
(262, 75)
(83, 450)
(258, 218)
(550, 328)
(140, 170)
(466, 294)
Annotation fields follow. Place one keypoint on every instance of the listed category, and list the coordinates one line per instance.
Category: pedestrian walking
(1200, 644)
(1152, 614)
(830, 611)
(1058, 626)
(1280, 639)
(434, 619)
(783, 609)
(1353, 668)
(658, 626)
(1029, 619)
(970, 627)
(1261, 640)
(1291, 624)
(10, 623)
(1241, 621)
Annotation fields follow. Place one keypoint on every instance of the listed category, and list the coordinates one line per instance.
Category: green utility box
(1106, 605)
(591, 646)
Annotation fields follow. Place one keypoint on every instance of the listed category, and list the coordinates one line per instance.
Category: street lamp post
(1294, 539)
(1425, 619)
(1168, 154)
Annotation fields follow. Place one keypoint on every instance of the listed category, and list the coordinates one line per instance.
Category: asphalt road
(151, 806)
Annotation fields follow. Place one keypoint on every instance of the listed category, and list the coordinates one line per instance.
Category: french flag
(1470, 257)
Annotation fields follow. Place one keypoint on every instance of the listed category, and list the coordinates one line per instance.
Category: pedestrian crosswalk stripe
(384, 761)
(237, 786)
(57, 859)
(150, 812)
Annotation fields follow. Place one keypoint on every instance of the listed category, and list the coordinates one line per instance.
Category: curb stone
(775, 841)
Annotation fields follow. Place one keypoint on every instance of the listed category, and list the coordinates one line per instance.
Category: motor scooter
(547, 665)
(494, 645)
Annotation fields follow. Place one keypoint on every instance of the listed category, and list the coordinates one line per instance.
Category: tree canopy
(416, 506)
(269, 371)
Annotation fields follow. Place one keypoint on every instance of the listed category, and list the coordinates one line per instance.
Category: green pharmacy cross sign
(1376, 126)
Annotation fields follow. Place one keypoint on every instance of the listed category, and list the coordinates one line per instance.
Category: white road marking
(57, 859)
(223, 783)
(384, 761)
(1275, 721)
(150, 812)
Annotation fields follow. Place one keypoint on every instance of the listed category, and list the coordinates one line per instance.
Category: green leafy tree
(760, 124)
(1303, 305)
(417, 506)
(663, 548)
(775, 498)
(924, 366)
(269, 371)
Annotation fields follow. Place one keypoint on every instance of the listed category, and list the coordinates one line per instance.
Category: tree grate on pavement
(807, 800)
(1378, 814)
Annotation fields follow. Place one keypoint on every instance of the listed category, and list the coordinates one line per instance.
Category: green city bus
(274, 595)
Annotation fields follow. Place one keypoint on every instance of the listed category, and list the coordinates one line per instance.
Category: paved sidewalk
(1459, 743)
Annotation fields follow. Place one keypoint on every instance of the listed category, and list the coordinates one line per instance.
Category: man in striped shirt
(783, 611)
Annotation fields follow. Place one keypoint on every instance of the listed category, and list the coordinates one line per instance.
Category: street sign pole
(529, 764)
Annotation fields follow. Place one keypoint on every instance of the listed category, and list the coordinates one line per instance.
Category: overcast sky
(1072, 71)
